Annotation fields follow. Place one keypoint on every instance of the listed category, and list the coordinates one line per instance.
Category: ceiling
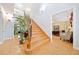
(9, 7)
(33, 7)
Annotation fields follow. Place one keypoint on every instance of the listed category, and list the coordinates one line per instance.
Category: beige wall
(63, 25)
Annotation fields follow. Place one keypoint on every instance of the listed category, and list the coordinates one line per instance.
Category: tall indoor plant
(20, 26)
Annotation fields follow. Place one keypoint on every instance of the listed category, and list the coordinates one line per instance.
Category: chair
(65, 34)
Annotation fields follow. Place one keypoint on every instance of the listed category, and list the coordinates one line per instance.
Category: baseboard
(9, 38)
(77, 48)
(1, 42)
(41, 29)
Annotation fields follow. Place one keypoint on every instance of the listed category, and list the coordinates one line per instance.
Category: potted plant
(20, 27)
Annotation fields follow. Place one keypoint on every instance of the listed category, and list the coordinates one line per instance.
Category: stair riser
(35, 28)
(36, 40)
(38, 37)
(36, 31)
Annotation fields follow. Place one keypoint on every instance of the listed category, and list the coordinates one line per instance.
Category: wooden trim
(41, 30)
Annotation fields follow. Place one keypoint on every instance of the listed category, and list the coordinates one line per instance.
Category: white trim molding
(1, 42)
(77, 48)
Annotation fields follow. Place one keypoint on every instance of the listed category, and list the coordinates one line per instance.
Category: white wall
(6, 26)
(8, 29)
(1, 26)
(62, 16)
(41, 19)
(76, 27)
(44, 19)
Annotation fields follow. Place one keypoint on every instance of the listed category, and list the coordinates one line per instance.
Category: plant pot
(21, 42)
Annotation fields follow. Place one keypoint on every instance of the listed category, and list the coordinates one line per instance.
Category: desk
(57, 33)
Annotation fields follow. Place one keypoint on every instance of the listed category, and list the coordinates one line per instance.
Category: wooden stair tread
(37, 33)
(35, 30)
(38, 37)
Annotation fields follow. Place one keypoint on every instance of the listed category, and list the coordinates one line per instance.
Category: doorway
(62, 28)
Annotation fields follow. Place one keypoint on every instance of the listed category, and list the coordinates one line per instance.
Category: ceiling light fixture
(28, 10)
(43, 7)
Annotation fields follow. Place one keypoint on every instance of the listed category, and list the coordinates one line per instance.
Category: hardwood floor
(38, 38)
(10, 47)
(56, 47)
(40, 45)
